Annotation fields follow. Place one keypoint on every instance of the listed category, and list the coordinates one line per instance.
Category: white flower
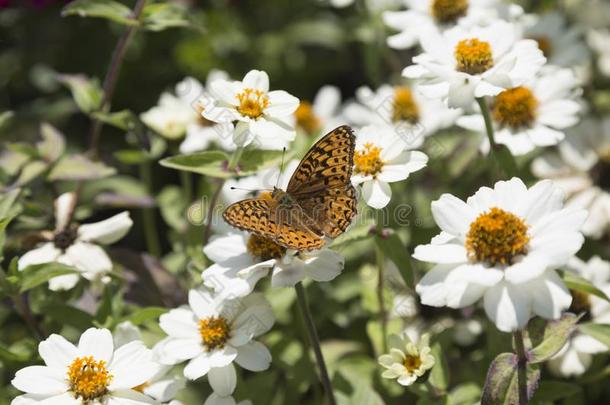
(263, 116)
(77, 246)
(407, 361)
(582, 169)
(576, 355)
(215, 399)
(502, 245)
(599, 40)
(531, 115)
(241, 259)
(213, 332)
(442, 15)
(463, 63)
(412, 115)
(323, 114)
(93, 372)
(382, 157)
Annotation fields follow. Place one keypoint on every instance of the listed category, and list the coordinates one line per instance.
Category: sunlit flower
(241, 259)
(323, 114)
(263, 116)
(77, 245)
(531, 115)
(94, 372)
(407, 361)
(404, 108)
(576, 355)
(215, 399)
(502, 245)
(582, 169)
(213, 332)
(179, 114)
(381, 158)
(463, 63)
(442, 15)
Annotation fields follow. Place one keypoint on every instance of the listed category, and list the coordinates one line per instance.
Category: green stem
(151, 234)
(489, 128)
(234, 160)
(521, 367)
(315, 342)
(383, 315)
(23, 309)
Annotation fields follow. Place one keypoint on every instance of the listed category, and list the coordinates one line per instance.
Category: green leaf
(365, 394)
(549, 340)
(171, 202)
(575, 282)
(53, 143)
(439, 375)
(7, 203)
(597, 331)
(393, 248)
(5, 118)
(125, 119)
(108, 9)
(552, 391)
(79, 167)
(356, 232)
(37, 274)
(465, 394)
(161, 16)
(209, 163)
(86, 92)
(143, 315)
(255, 160)
(68, 315)
(10, 356)
(501, 384)
(506, 161)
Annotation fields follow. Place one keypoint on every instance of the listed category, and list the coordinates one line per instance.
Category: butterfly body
(319, 201)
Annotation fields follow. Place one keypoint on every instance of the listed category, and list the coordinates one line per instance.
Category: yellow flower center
(448, 11)
(515, 108)
(412, 363)
(404, 107)
(141, 387)
(306, 118)
(214, 332)
(88, 378)
(545, 45)
(473, 56)
(368, 161)
(496, 237)
(264, 248)
(252, 103)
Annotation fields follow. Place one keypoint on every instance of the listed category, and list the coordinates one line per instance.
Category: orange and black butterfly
(319, 201)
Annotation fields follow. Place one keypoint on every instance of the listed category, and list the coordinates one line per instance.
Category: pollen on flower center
(65, 238)
(448, 11)
(368, 161)
(404, 107)
(515, 108)
(496, 237)
(264, 248)
(412, 363)
(214, 332)
(252, 103)
(88, 378)
(306, 117)
(473, 56)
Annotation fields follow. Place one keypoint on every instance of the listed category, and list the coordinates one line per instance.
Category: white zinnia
(463, 63)
(93, 371)
(381, 158)
(323, 114)
(77, 246)
(532, 115)
(407, 361)
(263, 116)
(213, 332)
(502, 245)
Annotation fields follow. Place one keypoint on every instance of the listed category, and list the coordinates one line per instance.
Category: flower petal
(253, 356)
(453, 215)
(89, 258)
(223, 380)
(107, 231)
(41, 380)
(97, 343)
(57, 352)
(46, 253)
(377, 194)
(131, 366)
(508, 306)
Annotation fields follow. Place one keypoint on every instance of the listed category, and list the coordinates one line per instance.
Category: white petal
(173, 351)
(215, 399)
(107, 231)
(281, 104)
(180, 322)
(57, 352)
(89, 258)
(204, 304)
(131, 366)
(62, 399)
(97, 343)
(432, 288)
(65, 282)
(226, 247)
(550, 297)
(44, 254)
(507, 306)
(325, 266)
(41, 380)
(256, 79)
(129, 397)
(327, 101)
(166, 389)
(223, 380)
(64, 206)
(256, 317)
(222, 357)
(253, 356)
(377, 194)
(540, 199)
(531, 267)
(453, 215)
(288, 274)
(197, 367)
(445, 253)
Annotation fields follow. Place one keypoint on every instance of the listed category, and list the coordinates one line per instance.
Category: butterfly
(319, 201)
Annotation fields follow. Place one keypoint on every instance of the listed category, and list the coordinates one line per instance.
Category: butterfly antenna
(277, 183)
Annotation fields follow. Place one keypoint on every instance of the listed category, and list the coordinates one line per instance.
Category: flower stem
(315, 341)
(151, 234)
(521, 367)
(23, 309)
(383, 315)
(489, 130)
(112, 74)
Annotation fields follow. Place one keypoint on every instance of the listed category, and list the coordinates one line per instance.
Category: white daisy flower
(161, 386)
(463, 63)
(442, 15)
(77, 245)
(582, 169)
(412, 115)
(323, 114)
(407, 361)
(576, 355)
(502, 245)
(94, 372)
(381, 158)
(215, 399)
(179, 114)
(213, 332)
(241, 259)
(531, 115)
(263, 116)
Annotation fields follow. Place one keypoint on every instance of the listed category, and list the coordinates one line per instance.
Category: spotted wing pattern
(321, 184)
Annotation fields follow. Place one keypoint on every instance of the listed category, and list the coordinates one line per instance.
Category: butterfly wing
(265, 217)
(321, 183)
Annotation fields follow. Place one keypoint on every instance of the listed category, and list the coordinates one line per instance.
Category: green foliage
(575, 282)
(108, 9)
(549, 339)
(501, 385)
